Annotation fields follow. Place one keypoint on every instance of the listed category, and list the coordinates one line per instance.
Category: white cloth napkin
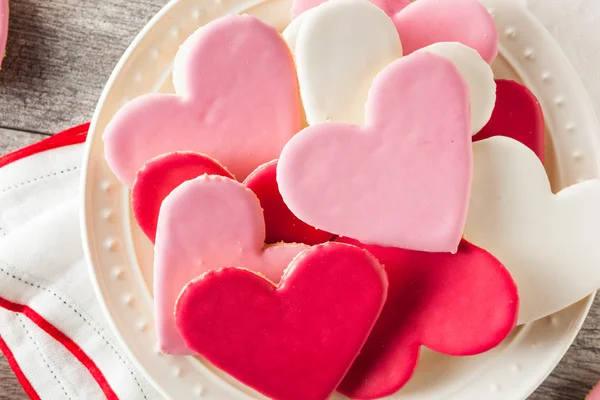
(42, 267)
(51, 327)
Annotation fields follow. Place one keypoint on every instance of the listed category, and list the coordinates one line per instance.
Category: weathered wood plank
(11, 140)
(60, 54)
(9, 386)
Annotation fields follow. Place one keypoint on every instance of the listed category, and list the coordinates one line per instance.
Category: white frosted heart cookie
(548, 242)
(479, 77)
(339, 47)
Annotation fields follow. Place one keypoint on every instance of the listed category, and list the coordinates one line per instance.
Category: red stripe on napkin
(71, 136)
(12, 362)
(63, 339)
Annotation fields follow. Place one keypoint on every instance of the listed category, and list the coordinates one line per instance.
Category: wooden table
(61, 52)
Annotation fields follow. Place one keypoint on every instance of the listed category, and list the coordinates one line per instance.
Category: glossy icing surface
(281, 224)
(229, 76)
(292, 341)
(208, 223)
(458, 304)
(400, 180)
(339, 48)
(517, 115)
(479, 77)
(548, 242)
(425, 22)
(159, 176)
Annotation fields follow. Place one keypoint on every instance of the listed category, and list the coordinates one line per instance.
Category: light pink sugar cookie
(3, 28)
(425, 22)
(401, 180)
(294, 341)
(237, 101)
(207, 223)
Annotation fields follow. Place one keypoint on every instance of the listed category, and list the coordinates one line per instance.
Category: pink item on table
(281, 224)
(293, 341)
(458, 304)
(3, 28)
(208, 223)
(229, 76)
(517, 115)
(594, 394)
(403, 179)
(157, 179)
(425, 22)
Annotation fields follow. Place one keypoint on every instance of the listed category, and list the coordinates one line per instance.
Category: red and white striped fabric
(52, 330)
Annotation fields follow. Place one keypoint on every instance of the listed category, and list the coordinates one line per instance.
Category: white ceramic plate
(120, 256)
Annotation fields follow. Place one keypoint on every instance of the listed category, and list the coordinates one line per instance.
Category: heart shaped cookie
(425, 22)
(402, 179)
(479, 77)
(295, 340)
(438, 300)
(207, 223)
(517, 115)
(229, 76)
(159, 176)
(339, 48)
(281, 224)
(548, 242)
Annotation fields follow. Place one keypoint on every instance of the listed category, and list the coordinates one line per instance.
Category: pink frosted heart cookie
(402, 179)
(208, 223)
(425, 22)
(159, 176)
(3, 28)
(229, 76)
(517, 115)
(295, 340)
(458, 304)
(281, 224)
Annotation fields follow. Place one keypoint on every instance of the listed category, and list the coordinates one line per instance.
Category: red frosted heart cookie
(159, 176)
(517, 115)
(461, 304)
(292, 341)
(281, 224)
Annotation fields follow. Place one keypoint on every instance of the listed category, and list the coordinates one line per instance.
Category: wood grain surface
(61, 52)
